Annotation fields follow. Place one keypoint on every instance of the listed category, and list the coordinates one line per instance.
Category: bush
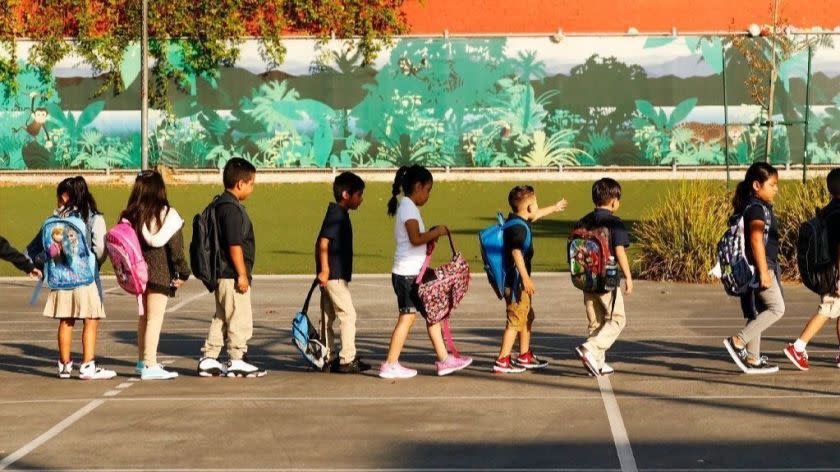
(677, 239)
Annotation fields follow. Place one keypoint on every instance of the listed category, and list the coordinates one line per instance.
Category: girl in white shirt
(415, 183)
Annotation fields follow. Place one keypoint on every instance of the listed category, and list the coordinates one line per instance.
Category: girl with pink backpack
(412, 238)
(156, 227)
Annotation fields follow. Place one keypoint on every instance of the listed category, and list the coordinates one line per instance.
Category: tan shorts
(830, 306)
(520, 314)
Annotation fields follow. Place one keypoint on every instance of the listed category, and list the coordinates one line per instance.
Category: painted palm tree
(528, 66)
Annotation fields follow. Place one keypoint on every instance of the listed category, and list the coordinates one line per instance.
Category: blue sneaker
(157, 373)
(138, 368)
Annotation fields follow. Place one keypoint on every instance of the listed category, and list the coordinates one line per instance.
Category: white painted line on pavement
(51, 433)
(619, 432)
(111, 393)
(123, 385)
(186, 302)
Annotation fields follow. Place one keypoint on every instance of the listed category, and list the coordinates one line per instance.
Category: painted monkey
(37, 120)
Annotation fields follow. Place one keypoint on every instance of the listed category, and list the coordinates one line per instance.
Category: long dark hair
(79, 196)
(147, 201)
(405, 181)
(758, 172)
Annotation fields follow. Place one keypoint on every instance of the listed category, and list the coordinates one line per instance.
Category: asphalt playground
(676, 401)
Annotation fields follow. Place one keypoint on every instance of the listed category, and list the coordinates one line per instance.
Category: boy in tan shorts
(519, 288)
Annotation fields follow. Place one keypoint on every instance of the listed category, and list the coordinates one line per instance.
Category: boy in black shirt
(519, 288)
(233, 324)
(334, 266)
(605, 312)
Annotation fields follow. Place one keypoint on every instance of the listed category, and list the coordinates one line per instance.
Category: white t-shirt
(408, 259)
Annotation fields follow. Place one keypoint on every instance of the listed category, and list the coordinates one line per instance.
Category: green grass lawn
(287, 218)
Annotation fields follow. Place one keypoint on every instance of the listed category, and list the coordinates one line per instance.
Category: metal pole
(807, 115)
(725, 119)
(144, 89)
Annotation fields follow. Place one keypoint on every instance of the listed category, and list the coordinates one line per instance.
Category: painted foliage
(439, 102)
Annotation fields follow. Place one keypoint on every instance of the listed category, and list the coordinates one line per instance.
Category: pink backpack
(443, 289)
(127, 258)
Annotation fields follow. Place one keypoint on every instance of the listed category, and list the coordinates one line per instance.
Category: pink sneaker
(452, 364)
(395, 371)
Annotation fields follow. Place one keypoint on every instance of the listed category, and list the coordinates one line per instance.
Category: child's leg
(771, 307)
(404, 324)
(343, 309)
(217, 334)
(89, 339)
(240, 322)
(811, 329)
(829, 308)
(155, 311)
(436, 335)
(65, 338)
(607, 310)
(326, 323)
(525, 334)
(508, 338)
(141, 331)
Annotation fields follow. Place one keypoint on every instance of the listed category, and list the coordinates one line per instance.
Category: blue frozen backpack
(492, 241)
(68, 260)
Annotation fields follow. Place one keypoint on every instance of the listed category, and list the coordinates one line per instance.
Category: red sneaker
(799, 359)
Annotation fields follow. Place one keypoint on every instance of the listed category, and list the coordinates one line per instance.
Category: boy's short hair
(237, 169)
(604, 190)
(833, 182)
(519, 194)
(347, 182)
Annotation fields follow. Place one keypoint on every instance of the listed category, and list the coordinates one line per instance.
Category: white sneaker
(211, 367)
(607, 370)
(242, 368)
(90, 371)
(65, 370)
(157, 373)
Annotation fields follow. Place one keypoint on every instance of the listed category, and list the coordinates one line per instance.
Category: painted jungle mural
(476, 102)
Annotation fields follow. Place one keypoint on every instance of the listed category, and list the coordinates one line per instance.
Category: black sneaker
(739, 355)
(762, 367)
(356, 366)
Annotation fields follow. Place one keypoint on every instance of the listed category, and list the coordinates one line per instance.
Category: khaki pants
(233, 324)
(148, 329)
(337, 303)
(603, 327)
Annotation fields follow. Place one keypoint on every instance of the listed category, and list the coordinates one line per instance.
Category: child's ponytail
(758, 172)
(395, 190)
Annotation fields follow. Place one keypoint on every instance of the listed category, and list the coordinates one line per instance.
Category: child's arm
(9, 253)
(757, 243)
(238, 259)
(543, 212)
(323, 249)
(421, 239)
(519, 262)
(621, 256)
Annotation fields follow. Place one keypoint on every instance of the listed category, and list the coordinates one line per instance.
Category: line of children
(158, 226)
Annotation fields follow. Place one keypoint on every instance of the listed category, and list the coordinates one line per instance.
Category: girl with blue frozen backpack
(71, 248)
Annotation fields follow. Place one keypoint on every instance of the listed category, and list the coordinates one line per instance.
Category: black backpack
(816, 259)
(204, 247)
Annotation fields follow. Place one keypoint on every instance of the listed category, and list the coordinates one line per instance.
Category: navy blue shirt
(755, 211)
(601, 217)
(337, 228)
(514, 237)
(235, 229)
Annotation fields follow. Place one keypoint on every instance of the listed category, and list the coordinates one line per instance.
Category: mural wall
(439, 102)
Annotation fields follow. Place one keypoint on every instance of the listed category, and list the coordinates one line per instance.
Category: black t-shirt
(832, 215)
(755, 212)
(337, 228)
(514, 237)
(601, 217)
(235, 229)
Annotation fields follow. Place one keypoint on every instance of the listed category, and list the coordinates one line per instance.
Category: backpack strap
(38, 287)
(305, 308)
(447, 337)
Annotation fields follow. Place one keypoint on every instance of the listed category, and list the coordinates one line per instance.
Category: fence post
(807, 116)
